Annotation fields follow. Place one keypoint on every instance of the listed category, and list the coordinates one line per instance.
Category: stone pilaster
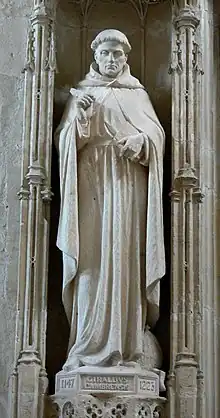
(209, 152)
(29, 379)
(185, 380)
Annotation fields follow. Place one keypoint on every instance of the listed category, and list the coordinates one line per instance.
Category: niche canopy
(140, 6)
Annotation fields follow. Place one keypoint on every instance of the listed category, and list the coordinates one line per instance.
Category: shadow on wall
(57, 325)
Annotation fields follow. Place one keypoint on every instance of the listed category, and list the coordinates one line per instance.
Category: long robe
(111, 224)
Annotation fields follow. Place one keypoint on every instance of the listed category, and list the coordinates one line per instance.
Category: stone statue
(111, 224)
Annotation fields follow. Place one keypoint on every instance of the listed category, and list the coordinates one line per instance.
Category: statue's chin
(110, 74)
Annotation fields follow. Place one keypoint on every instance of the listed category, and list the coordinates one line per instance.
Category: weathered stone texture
(13, 15)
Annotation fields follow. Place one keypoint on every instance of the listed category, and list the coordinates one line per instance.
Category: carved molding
(88, 406)
(197, 59)
(140, 6)
(198, 195)
(29, 357)
(185, 178)
(187, 17)
(30, 64)
(186, 359)
(36, 174)
(177, 63)
(50, 60)
(23, 193)
(47, 194)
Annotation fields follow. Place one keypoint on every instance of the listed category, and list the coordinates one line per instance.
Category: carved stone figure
(111, 224)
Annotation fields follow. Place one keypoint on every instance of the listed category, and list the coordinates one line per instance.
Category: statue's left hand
(132, 147)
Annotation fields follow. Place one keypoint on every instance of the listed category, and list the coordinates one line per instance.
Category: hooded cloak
(74, 139)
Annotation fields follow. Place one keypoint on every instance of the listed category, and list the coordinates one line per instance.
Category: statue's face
(110, 58)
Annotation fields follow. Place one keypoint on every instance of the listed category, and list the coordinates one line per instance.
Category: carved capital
(186, 359)
(42, 14)
(175, 196)
(198, 195)
(23, 193)
(186, 178)
(47, 194)
(187, 17)
(36, 174)
(29, 357)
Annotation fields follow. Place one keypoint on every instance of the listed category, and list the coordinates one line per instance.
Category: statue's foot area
(115, 360)
(72, 364)
(131, 363)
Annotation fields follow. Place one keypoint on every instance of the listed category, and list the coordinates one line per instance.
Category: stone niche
(149, 32)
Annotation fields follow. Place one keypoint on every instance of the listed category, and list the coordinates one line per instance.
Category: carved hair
(111, 35)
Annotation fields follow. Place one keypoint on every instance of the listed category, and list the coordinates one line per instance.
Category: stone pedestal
(107, 392)
(90, 406)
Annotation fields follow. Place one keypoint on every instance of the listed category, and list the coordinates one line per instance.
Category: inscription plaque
(107, 383)
(148, 386)
(66, 383)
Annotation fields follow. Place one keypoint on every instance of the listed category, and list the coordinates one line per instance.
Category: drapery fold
(133, 105)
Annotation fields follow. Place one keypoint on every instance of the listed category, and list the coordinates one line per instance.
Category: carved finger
(81, 103)
(87, 100)
(89, 97)
(85, 103)
(135, 157)
(128, 153)
(123, 151)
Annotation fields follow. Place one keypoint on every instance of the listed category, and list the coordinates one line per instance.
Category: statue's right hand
(85, 101)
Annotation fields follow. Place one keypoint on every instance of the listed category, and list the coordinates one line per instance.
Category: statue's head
(111, 49)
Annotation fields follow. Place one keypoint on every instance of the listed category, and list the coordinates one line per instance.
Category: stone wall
(217, 173)
(13, 33)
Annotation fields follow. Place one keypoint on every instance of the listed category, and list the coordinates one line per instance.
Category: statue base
(98, 392)
(115, 380)
(90, 406)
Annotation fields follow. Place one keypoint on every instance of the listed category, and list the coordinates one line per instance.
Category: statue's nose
(111, 57)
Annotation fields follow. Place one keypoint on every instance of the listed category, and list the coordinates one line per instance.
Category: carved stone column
(185, 378)
(29, 379)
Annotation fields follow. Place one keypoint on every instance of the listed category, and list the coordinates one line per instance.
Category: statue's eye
(104, 52)
(118, 54)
